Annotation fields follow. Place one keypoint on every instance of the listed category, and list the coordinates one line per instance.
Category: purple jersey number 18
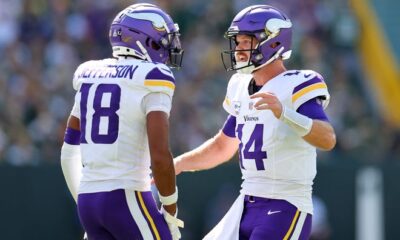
(100, 112)
(255, 139)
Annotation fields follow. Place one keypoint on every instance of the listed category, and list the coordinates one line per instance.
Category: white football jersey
(109, 104)
(275, 161)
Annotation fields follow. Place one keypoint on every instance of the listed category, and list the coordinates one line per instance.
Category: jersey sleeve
(311, 87)
(229, 127)
(313, 109)
(156, 101)
(160, 79)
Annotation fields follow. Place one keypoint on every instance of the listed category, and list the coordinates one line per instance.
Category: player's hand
(85, 236)
(269, 101)
(173, 223)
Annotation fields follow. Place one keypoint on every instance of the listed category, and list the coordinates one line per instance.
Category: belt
(249, 198)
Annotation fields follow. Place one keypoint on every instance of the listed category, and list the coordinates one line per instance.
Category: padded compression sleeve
(72, 167)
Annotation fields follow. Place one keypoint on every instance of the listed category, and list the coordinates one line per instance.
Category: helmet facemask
(272, 31)
(175, 51)
(229, 58)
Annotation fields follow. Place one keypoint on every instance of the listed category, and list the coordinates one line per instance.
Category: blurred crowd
(43, 41)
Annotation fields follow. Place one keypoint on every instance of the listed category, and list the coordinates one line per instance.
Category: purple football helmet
(146, 32)
(271, 28)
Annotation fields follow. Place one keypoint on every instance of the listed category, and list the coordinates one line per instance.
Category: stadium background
(353, 44)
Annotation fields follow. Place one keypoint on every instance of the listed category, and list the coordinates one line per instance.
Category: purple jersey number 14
(100, 112)
(255, 139)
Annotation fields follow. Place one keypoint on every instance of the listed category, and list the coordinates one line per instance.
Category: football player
(276, 121)
(118, 131)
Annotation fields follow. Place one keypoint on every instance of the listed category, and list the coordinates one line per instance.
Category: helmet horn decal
(158, 21)
(275, 24)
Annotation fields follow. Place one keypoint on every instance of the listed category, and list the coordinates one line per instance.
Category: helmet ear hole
(155, 46)
(152, 44)
(275, 44)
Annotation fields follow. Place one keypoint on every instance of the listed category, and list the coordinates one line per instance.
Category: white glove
(85, 236)
(173, 223)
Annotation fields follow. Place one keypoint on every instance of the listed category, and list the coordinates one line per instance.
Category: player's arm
(309, 121)
(163, 168)
(71, 156)
(161, 158)
(321, 135)
(156, 106)
(211, 153)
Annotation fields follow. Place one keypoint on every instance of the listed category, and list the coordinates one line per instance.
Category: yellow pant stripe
(148, 216)
(296, 216)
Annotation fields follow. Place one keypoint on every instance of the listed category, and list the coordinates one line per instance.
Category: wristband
(299, 123)
(168, 200)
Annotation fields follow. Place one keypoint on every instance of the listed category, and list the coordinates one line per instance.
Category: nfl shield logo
(236, 106)
(251, 105)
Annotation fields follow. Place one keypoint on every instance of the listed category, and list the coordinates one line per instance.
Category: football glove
(173, 223)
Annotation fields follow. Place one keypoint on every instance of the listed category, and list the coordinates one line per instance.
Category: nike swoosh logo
(307, 75)
(272, 212)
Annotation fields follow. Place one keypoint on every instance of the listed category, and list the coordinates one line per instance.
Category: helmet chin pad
(244, 68)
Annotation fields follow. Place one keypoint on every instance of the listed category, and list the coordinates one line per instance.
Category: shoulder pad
(160, 78)
(309, 85)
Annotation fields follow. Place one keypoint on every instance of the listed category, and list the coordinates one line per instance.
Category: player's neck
(268, 72)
